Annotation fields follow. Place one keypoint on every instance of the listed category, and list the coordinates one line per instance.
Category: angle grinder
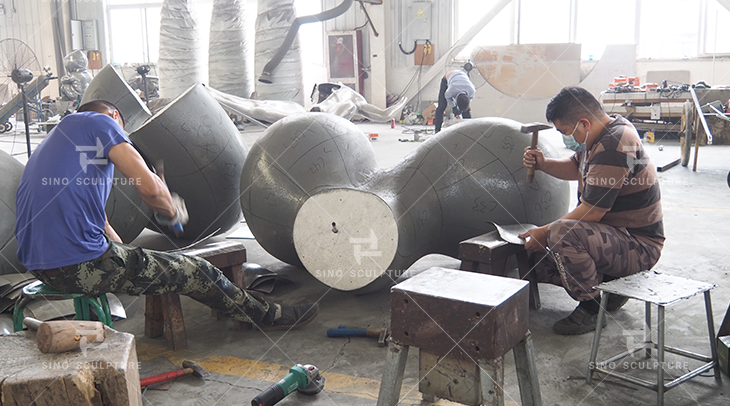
(304, 379)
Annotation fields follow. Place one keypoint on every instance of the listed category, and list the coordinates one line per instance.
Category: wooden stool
(488, 253)
(462, 323)
(82, 303)
(662, 290)
(163, 313)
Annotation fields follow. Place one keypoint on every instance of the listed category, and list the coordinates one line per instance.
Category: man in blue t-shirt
(65, 240)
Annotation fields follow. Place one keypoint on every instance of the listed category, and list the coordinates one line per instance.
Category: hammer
(189, 367)
(533, 128)
(344, 331)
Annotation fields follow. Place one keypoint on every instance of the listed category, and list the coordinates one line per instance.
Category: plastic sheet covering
(272, 24)
(77, 79)
(262, 110)
(230, 63)
(347, 103)
(76, 61)
(180, 60)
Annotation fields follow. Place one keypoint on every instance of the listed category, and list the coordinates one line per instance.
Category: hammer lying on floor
(189, 368)
(344, 331)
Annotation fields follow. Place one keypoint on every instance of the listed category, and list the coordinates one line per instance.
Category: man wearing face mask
(617, 229)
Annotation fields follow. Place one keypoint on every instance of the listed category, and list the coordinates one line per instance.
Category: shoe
(291, 317)
(579, 322)
(616, 302)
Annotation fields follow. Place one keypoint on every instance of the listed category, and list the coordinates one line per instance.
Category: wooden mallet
(65, 335)
(533, 128)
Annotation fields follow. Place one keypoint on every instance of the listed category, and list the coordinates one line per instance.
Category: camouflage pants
(136, 271)
(589, 251)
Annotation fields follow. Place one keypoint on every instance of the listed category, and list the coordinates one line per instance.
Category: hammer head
(532, 127)
(384, 334)
(197, 369)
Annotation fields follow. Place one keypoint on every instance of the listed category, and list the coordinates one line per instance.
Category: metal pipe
(266, 75)
(597, 336)
(660, 357)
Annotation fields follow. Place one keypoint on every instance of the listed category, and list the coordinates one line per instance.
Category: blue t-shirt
(63, 191)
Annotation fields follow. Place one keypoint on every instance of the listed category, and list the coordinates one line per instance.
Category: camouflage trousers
(589, 251)
(136, 271)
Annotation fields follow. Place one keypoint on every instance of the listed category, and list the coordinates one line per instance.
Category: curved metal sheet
(203, 157)
(109, 85)
(125, 211)
(12, 170)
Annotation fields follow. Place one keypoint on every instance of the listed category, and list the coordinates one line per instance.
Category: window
(601, 23)
(717, 21)
(669, 28)
(134, 34)
(544, 22)
(497, 32)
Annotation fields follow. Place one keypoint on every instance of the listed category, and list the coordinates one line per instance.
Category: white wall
(700, 69)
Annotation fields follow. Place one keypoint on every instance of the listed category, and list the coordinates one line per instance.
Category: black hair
(462, 102)
(100, 106)
(571, 104)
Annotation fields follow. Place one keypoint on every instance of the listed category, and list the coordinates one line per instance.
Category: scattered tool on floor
(65, 335)
(343, 331)
(533, 128)
(188, 368)
(304, 379)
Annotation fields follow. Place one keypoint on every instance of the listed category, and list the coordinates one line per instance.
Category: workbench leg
(174, 325)
(523, 265)
(491, 377)
(697, 143)
(395, 366)
(154, 323)
(527, 372)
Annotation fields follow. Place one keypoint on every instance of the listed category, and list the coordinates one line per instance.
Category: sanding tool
(304, 379)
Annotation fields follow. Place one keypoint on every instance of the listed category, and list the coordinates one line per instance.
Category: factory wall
(700, 69)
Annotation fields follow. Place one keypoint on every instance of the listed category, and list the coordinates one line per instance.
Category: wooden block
(107, 373)
(487, 315)
(153, 319)
(174, 324)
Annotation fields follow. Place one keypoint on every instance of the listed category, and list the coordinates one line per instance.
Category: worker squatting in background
(458, 91)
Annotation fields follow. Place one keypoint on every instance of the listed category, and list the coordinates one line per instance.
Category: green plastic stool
(82, 303)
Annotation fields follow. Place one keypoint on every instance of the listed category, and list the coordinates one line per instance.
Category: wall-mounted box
(90, 36)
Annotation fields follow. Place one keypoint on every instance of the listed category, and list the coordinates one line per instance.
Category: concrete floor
(696, 207)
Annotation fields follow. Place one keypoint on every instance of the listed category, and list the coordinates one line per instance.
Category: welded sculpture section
(272, 25)
(181, 59)
(202, 155)
(230, 63)
(350, 234)
(12, 170)
(297, 157)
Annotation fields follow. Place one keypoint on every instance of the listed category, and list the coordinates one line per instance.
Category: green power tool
(304, 379)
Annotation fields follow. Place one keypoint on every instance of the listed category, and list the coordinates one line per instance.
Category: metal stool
(662, 290)
(82, 303)
(462, 323)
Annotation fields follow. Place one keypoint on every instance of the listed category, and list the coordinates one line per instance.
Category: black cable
(415, 45)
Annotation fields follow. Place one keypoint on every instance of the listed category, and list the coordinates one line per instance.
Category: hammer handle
(167, 376)
(531, 171)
